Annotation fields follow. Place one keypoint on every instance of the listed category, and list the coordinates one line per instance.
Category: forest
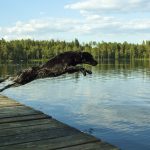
(25, 50)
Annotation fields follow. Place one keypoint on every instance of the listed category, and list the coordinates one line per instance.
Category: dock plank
(23, 118)
(100, 145)
(24, 128)
(4, 103)
(6, 99)
(50, 144)
(28, 129)
(36, 136)
(16, 111)
(25, 123)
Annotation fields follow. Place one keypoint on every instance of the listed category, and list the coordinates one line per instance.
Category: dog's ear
(86, 55)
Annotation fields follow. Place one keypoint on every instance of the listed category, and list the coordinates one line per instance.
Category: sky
(86, 20)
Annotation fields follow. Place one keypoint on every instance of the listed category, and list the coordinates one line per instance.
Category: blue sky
(87, 20)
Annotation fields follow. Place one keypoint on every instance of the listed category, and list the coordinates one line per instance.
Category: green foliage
(18, 50)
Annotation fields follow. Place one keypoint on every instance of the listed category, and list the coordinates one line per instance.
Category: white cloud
(111, 5)
(93, 4)
(137, 25)
(37, 28)
(91, 25)
(127, 18)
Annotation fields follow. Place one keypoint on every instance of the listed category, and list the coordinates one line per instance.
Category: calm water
(112, 104)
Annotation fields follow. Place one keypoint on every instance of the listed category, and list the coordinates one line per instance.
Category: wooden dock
(24, 128)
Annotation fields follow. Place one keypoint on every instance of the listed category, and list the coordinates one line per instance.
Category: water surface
(113, 104)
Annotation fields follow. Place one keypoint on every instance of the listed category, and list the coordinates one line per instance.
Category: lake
(112, 104)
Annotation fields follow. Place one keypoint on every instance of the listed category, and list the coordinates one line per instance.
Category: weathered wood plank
(37, 136)
(25, 123)
(33, 128)
(4, 98)
(16, 111)
(100, 145)
(6, 102)
(10, 105)
(7, 110)
(51, 144)
(23, 118)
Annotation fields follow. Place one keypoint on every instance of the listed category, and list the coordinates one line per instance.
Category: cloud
(37, 28)
(128, 18)
(92, 5)
(91, 25)
(139, 25)
(111, 5)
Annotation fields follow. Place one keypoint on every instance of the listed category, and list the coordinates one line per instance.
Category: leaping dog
(63, 63)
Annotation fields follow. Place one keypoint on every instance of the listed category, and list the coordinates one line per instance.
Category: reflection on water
(112, 104)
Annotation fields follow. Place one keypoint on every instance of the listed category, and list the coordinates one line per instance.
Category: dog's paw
(89, 72)
(83, 70)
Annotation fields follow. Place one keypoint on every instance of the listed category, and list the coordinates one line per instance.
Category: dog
(63, 63)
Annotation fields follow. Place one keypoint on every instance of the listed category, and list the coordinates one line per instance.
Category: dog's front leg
(73, 69)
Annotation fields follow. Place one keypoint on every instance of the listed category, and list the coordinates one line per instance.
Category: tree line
(24, 50)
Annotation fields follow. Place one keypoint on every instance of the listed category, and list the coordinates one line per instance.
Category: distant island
(25, 50)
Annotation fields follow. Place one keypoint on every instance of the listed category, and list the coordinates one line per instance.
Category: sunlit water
(113, 104)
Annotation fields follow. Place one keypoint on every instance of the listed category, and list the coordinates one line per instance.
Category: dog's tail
(9, 86)
(6, 87)
(4, 79)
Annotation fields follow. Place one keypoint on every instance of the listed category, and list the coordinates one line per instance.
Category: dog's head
(87, 58)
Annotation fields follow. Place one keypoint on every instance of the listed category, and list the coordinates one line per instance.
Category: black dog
(61, 64)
